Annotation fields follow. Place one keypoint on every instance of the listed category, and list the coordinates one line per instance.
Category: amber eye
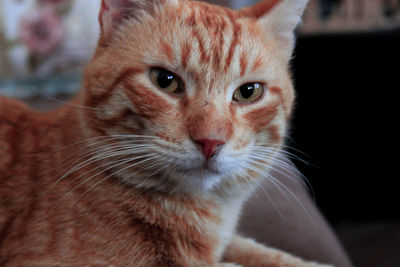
(165, 80)
(248, 92)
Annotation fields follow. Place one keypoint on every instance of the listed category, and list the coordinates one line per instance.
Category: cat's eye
(165, 80)
(248, 93)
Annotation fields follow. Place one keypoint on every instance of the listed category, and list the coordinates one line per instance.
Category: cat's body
(44, 224)
(130, 174)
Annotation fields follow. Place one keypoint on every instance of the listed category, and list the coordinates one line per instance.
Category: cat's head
(191, 96)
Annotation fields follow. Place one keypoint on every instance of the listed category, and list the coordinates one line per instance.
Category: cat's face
(195, 95)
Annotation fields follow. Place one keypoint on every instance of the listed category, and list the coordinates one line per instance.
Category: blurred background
(346, 71)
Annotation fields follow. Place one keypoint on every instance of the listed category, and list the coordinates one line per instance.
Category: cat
(183, 109)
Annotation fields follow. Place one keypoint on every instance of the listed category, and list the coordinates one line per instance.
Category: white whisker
(265, 193)
(279, 184)
(265, 153)
(113, 174)
(101, 154)
(108, 168)
(273, 161)
(102, 150)
(105, 138)
(272, 179)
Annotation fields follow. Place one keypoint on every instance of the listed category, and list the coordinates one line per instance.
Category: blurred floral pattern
(42, 31)
(43, 45)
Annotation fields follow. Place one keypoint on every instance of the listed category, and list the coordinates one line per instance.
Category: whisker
(276, 162)
(132, 140)
(292, 172)
(265, 174)
(276, 182)
(110, 175)
(98, 173)
(98, 157)
(108, 137)
(64, 102)
(163, 166)
(111, 167)
(117, 160)
(286, 151)
(259, 185)
(101, 156)
(285, 165)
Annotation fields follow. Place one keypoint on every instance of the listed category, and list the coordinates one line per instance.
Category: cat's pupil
(164, 78)
(247, 90)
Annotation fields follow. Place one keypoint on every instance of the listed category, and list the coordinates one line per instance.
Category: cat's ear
(280, 18)
(114, 12)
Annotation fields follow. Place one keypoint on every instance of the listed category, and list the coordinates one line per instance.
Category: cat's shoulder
(11, 109)
(12, 102)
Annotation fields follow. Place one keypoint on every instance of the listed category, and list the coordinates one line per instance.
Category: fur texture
(118, 177)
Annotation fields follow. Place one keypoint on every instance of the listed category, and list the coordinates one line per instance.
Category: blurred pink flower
(41, 30)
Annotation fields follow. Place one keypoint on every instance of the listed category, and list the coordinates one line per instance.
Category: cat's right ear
(114, 12)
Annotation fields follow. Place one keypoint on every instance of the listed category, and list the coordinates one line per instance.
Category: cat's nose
(209, 147)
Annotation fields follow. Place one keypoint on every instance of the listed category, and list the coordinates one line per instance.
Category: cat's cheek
(275, 134)
(169, 136)
(260, 118)
(242, 137)
(148, 104)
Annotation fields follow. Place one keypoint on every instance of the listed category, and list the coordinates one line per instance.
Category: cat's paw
(247, 252)
(314, 264)
(221, 264)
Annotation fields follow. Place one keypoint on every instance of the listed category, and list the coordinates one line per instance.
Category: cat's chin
(200, 181)
(206, 169)
(206, 176)
(195, 175)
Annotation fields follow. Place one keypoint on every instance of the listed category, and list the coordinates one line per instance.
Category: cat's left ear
(280, 18)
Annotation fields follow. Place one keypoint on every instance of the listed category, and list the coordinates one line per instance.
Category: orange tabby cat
(183, 109)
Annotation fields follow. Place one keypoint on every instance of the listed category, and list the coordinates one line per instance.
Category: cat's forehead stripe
(168, 51)
(257, 64)
(186, 49)
(243, 64)
(216, 33)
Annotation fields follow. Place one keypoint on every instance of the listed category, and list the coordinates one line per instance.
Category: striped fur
(114, 178)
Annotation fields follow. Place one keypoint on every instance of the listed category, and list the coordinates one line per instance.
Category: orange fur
(117, 178)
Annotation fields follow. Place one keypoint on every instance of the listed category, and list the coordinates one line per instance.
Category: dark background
(346, 122)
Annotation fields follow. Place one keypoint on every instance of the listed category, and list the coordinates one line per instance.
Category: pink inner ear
(104, 8)
(260, 9)
(112, 12)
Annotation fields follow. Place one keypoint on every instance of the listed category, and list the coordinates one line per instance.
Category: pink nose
(209, 147)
